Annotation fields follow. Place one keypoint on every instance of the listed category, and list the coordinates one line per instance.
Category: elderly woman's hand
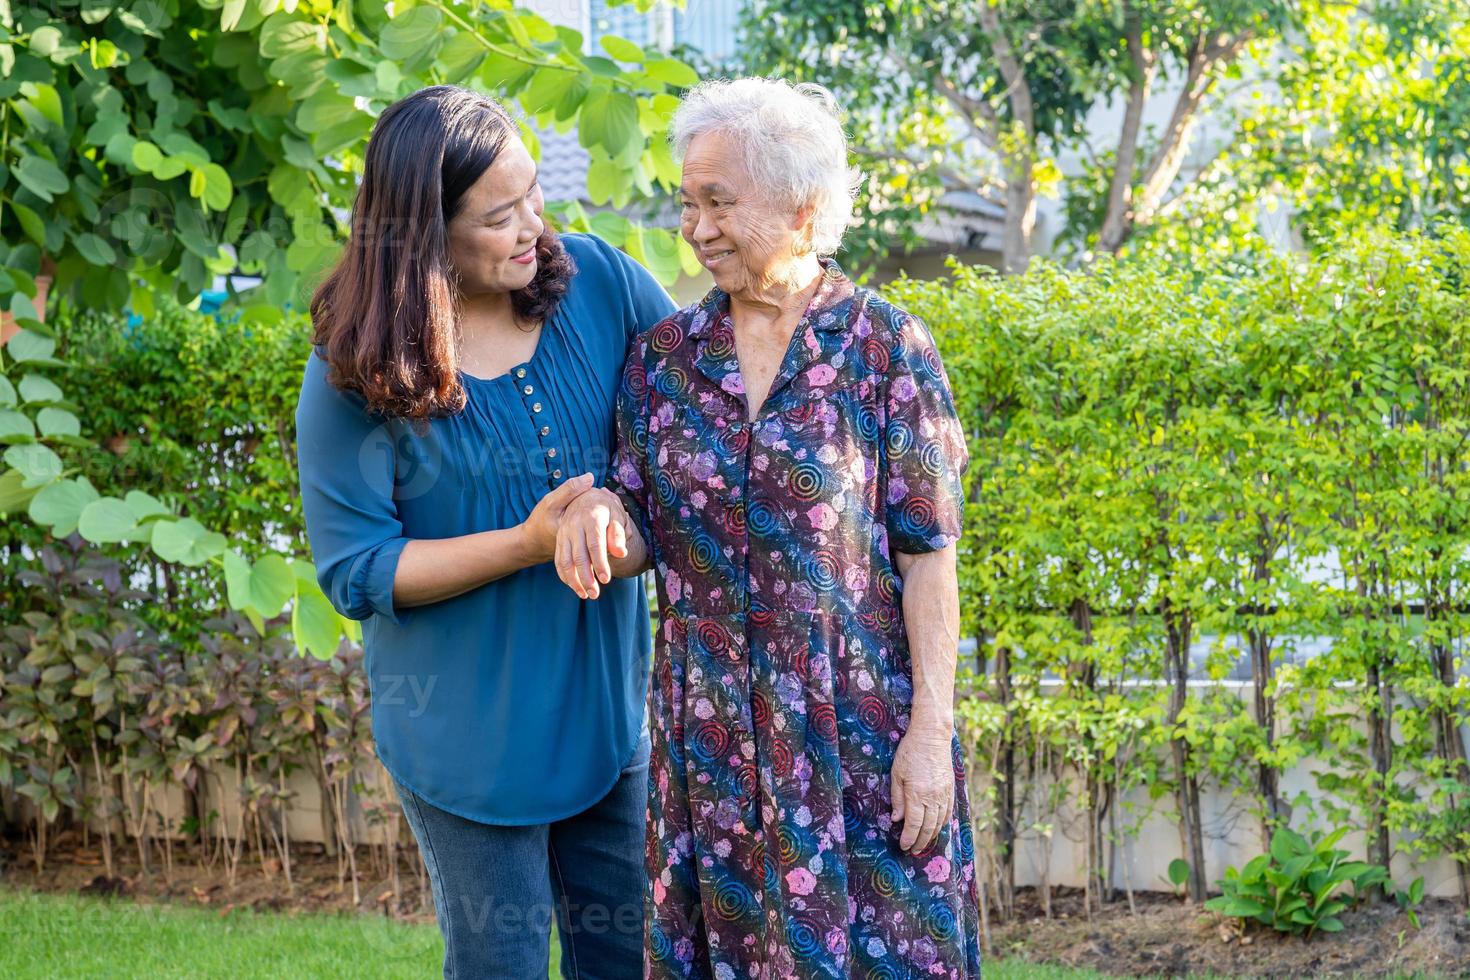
(923, 787)
(594, 527)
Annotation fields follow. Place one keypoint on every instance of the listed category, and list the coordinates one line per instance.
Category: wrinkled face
(738, 234)
(492, 240)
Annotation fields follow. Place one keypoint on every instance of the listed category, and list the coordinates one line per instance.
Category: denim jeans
(497, 889)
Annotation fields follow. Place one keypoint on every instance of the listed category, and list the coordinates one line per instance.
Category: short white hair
(791, 143)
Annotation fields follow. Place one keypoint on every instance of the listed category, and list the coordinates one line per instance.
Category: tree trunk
(1186, 793)
(1007, 794)
(1020, 219)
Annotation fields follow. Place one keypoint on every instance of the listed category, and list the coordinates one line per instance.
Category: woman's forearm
(432, 570)
(931, 613)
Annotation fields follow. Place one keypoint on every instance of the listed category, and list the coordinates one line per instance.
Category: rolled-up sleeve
(345, 459)
(923, 446)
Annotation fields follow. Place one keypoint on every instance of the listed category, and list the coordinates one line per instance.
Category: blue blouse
(516, 702)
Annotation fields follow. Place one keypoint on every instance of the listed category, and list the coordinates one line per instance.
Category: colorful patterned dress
(781, 676)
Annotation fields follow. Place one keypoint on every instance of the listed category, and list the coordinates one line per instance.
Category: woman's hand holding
(541, 525)
(593, 528)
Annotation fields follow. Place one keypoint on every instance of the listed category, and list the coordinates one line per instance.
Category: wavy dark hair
(387, 316)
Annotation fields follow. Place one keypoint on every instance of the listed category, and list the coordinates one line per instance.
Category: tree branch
(1204, 58)
(1117, 218)
(952, 179)
(987, 128)
(1017, 91)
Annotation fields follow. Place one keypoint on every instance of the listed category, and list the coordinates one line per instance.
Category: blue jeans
(497, 889)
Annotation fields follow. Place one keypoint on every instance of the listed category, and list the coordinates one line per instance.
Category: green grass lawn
(63, 936)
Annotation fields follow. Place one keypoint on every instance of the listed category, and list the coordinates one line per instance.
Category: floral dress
(781, 674)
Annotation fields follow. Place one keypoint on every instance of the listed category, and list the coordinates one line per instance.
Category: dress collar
(831, 309)
(824, 313)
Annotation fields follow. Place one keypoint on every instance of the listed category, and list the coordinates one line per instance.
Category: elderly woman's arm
(927, 458)
(923, 768)
(596, 542)
(606, 536)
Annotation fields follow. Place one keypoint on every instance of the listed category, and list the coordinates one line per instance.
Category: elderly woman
(789, 463)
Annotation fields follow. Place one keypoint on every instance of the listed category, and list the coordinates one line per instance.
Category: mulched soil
(316, 888)
(1169, 938)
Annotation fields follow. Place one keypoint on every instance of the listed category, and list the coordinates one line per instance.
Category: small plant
(1409, 899)
(1178, 874)
(1298, 888)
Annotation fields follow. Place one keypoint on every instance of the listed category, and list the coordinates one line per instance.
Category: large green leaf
(16, 426)
(41, 177)
(38, 465)
(35, 388)
(185, 541)
(315, 624)
(409, 34)
(59, 505)
(107, 520)
(621, 49)
(265, 587)
(610, 120)
(15, 496)
(29, 346)
(283, 35)
(58, 422)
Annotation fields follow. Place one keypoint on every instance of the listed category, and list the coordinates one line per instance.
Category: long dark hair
(387, 315)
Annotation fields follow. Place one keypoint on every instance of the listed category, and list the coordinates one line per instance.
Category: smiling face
(739, 235)
(492, 240)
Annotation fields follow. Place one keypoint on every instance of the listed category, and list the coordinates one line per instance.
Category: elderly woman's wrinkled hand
(923, 788)
(593, 528)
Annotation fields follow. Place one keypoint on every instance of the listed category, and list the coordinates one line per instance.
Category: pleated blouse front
(516, 702)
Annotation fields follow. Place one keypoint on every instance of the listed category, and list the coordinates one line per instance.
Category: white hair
(791, 143)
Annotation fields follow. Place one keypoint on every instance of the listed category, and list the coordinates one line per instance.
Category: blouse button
(528, 389)
(520, 372)
(536, 407)
(556, 474)
(546, 430)
(551, 453)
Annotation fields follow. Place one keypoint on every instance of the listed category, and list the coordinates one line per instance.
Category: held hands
(546, 517)
(594, 527)
(923, 787)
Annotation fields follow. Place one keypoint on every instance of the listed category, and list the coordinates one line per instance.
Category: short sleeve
(924, 447)
(629, 475)
(346, 463)
(648, 301)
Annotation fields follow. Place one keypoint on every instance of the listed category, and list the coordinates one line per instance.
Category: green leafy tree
(147, 146)
(1342, 111)
(985, 97)
(1371, 127)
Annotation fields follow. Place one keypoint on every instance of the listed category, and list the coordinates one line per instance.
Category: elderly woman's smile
(747, 233)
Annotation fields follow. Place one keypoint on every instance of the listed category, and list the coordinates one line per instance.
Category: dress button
(546, 430)
(551, 453)
(536, 407)
(556, 474)
(528, 389)
(520, 372)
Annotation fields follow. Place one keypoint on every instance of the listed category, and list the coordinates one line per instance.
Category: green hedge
(197, 410)
(1244, 455)
(1159, 459)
